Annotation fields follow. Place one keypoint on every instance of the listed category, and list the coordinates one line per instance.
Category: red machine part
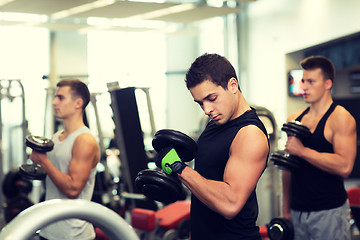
(167, 217)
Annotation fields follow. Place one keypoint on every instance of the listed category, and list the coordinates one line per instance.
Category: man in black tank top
(232, 155)
(314, 196)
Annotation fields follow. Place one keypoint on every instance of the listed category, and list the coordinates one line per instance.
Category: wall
(277, 27)
(24, 56)
(68, 59)
(69, 53)
(182, 48)
(182, 113)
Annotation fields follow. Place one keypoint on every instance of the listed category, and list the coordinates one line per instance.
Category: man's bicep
(84, 152)
(248, 157)
(345, 137)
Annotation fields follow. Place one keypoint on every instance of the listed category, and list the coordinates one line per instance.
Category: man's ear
(233, 85)
(79, 102)
(328, 84)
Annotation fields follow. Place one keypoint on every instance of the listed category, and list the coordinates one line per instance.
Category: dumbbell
(38, 144)
(280, 229)
(14, 185)
(157, 185)
(283, 159)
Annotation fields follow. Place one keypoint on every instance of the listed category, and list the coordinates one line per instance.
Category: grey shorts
(333, 224)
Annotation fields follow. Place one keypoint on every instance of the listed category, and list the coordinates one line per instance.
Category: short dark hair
(212, 67)
(78, 89)
(325, 64)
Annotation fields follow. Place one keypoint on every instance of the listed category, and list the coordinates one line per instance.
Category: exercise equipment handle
(25, 225)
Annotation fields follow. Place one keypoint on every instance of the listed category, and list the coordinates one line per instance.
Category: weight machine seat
(100, 235)
(167, 217)
(143, 219)
(171, 215)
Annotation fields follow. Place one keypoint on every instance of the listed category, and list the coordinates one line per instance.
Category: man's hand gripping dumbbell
(170, 162)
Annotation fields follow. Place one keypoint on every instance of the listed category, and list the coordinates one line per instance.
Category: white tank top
(60, 157)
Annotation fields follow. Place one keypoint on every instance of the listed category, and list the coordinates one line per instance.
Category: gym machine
(16, 189)
(11, 90)
(269, 185)
(129, 139)
(105, 181)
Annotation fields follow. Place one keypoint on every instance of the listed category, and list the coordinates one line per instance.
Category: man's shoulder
(294, 115)
(85, 136)
(339, 110)
(341, 115)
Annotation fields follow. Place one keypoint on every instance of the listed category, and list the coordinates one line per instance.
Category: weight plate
(295, 128)
(184, 145)
(158, 186)
(280, 229)
(39, 144)
(285, 161)
(32, 171)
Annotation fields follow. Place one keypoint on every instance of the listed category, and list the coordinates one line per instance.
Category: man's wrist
(177, 167)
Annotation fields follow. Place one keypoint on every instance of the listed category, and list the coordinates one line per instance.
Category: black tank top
(311, 188)
(210, 161)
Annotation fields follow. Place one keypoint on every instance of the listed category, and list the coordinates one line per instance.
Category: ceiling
(59, 15)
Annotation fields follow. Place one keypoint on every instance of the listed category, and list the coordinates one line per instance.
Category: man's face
(215, 101)
(63, 103)
(314, 85)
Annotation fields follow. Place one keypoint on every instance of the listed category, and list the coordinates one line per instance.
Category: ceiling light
(82, 8)
(98, 21)
(166, 11)
(21, 17)
(4, 2)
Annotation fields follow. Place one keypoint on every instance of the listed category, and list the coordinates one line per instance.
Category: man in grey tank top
(71, 165)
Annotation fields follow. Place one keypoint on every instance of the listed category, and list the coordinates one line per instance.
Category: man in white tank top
(71, 165)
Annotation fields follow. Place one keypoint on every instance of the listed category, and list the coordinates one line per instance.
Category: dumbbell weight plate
(295, 128)
(158, 186)
(184, 145)
(32, 171)
(39, 144)
(280, 229)
(285, 161)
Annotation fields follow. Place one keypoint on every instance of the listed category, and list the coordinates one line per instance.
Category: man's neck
(320, 107)
(71, 125)
(243, 105)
